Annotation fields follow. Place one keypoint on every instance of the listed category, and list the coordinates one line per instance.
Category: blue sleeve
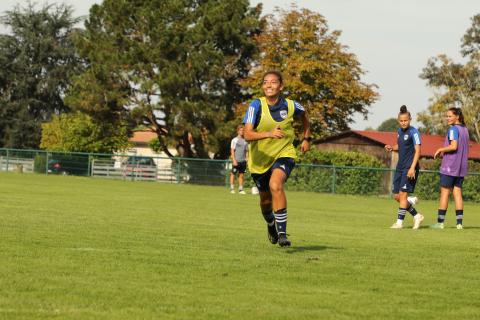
(252, 112)
(453, 133)
(416, 136)
(298, 109)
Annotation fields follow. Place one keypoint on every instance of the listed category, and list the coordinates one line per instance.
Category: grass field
(82, 248)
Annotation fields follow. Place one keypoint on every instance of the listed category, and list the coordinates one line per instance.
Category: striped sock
(401, 215)
(269, 217)
(281, 220)
(441, 215)
(459, 214)
(412, 210)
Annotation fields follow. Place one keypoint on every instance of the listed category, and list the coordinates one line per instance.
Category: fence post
(334, 179)
(89, 165)
(6, 168)
(177, 165)
(227, 162)
(46, 163)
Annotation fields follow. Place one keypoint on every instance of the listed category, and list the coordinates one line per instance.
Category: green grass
(81, 248)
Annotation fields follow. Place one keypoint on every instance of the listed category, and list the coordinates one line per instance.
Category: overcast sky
(392, 40)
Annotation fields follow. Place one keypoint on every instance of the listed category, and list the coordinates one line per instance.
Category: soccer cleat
(232, 191)
(396, 226)
(417, 221)
(242, 192)
(438, 225)
(272, 234)
(459, 226)
(412, 200)
(283, 241)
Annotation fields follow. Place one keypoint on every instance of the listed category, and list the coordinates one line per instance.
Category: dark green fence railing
(305, 177)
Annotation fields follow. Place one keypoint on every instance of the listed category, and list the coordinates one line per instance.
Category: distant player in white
(238, 152)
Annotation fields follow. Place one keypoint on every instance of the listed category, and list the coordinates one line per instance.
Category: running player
(406, 173)
(269, 131)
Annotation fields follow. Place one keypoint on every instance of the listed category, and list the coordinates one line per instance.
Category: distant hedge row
(312, 173)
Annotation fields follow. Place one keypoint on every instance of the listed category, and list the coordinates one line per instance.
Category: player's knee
(275, 186)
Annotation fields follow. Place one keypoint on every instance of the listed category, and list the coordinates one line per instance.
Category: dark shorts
(263, 180)
(451, 181)
(402, 183)
(240, 167)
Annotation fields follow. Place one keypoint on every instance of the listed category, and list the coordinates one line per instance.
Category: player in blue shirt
(406, 173)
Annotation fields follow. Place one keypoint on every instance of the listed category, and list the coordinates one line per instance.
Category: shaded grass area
(82, 248)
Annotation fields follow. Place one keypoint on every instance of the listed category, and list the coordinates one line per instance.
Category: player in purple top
(454, 166)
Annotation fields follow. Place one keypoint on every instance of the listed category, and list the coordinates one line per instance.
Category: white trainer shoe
(417, 221)
(459, 226)
(232, 191)
(396, 226)
(412, 200)
(242, 192)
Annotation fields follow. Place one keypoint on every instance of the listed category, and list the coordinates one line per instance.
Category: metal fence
(305, 177)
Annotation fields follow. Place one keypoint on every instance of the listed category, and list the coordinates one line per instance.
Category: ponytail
(459, 114)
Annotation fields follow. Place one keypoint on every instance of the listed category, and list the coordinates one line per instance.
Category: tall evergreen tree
(38, 60)
(172, 65)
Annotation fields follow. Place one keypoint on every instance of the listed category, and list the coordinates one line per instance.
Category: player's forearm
(251, 135)
(306, 125)
(416, 158)
(395, 147)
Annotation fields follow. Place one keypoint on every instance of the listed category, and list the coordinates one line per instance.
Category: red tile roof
(143, 136)
(430, 143)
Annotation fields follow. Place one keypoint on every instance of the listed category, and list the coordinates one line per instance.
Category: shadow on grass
(451, 227)
(298, 249)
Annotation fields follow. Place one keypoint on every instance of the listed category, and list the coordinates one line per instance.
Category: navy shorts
(240, 167)
(451, 181)
(262, 180)
(402, 183)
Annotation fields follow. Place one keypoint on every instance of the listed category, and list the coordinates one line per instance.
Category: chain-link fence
(305, 177)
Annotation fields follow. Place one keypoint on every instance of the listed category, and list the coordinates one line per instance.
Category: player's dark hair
(459, 114)
(274, 72)
(403, 110)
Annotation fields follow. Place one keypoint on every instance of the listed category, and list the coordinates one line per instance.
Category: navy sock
(459, 214)
(441, 215)
(281, 220)
(412, 210)
(269, 217)
(401, 215)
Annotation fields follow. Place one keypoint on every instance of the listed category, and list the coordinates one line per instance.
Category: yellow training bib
(263, 153)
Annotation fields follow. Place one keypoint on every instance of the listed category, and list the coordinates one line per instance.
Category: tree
(76, 132)
(455, 85)
(172, 65)
(319, 72)
(389, 125)
(38, 60)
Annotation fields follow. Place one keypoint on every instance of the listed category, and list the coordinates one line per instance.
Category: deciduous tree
(319, 71)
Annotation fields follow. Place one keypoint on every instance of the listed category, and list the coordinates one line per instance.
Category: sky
(392, 39)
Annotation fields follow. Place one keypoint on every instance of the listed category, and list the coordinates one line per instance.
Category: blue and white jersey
(407, 140)
(278, 111)
(453, 133)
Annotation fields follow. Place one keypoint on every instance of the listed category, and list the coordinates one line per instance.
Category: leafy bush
(327, 171)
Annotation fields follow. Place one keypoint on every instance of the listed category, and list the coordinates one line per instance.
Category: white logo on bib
(283, 114)
(405, 137)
